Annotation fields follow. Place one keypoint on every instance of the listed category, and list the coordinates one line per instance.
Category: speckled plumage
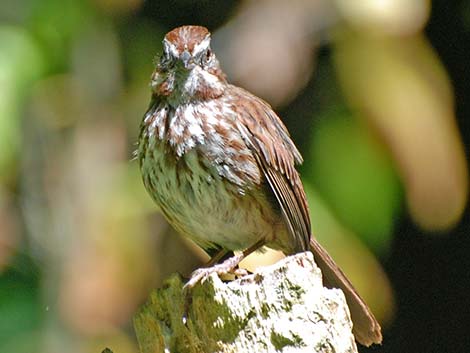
(221, 165)
(203, 175)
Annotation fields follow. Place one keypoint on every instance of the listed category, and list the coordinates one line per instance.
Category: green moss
(280, 342)
(264, 310)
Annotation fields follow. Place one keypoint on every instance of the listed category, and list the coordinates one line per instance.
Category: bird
(221, 166)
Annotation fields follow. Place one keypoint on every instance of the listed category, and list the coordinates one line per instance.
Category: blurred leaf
(20, 65)
(56, 23)
(354, 174)
(396, 17)
(400, 87)
(20, 308)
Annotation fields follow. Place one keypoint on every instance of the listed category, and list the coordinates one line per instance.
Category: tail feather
(366, 329)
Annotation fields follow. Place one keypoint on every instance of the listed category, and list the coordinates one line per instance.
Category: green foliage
(354, 174)
(20, 65)
(20, 304)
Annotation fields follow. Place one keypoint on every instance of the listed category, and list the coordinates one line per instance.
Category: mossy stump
(279, 308)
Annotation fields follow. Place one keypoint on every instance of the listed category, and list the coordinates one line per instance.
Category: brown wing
(276, 154)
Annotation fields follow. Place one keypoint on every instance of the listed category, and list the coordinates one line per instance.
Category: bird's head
(188, 69)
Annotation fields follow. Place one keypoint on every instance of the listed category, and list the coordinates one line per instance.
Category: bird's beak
(186, 58)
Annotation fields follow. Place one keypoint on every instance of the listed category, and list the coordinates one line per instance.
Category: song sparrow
(221, 165)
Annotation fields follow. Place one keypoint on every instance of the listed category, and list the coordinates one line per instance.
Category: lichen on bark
(280, 308)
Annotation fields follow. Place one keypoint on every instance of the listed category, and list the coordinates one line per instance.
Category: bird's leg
(226, 267)
(219, 255)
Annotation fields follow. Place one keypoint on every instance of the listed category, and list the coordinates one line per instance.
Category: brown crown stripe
(187, 37)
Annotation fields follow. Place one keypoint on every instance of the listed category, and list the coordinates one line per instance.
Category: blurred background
(375, 93)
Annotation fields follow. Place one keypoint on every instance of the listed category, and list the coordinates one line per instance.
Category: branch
(280, 308)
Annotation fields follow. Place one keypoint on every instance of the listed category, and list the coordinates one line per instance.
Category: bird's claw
(227, 267)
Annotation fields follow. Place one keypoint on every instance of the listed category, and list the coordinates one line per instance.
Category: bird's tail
(366, 329)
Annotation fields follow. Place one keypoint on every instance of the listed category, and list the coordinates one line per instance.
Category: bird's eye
(207, 56)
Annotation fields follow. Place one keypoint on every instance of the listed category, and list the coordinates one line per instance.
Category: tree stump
(280, 308)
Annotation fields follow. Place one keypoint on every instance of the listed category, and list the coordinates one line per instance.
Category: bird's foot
(229, 266)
